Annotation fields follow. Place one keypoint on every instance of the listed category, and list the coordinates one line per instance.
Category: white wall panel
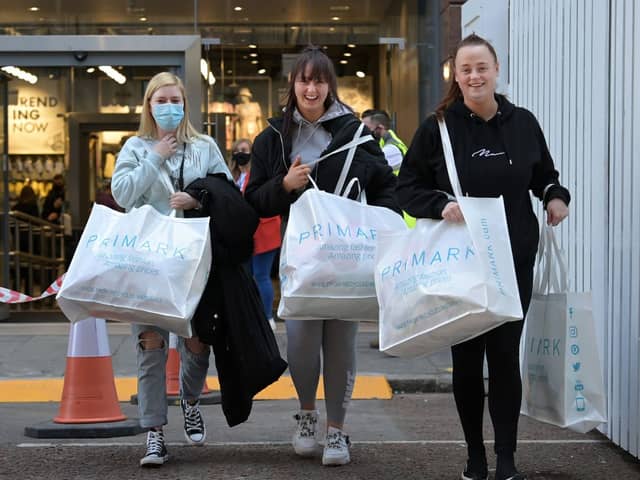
(576, 65)
(624, 231)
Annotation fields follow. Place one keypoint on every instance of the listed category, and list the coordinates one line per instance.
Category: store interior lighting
(21, 74)
(113, 74)
(204, 69)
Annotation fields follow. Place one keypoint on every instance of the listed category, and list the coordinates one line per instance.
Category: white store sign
(36, 124)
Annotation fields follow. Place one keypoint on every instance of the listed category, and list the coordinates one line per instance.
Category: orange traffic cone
(89, 407)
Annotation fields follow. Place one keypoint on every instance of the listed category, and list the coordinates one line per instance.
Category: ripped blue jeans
(152, 393)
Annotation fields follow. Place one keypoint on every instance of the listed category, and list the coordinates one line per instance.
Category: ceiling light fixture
(238, 8)
(212, 79)
(344, 62)
(351, 45)
(335, 19)
(262, 71)
(91, 70)
(254, 62)
(253, 45)
(143, 19)
(34, 9)
(360, 74)
(346, 54)
(21, 74)
(113, 74)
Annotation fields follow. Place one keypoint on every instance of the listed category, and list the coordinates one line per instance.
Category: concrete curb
(420, 384)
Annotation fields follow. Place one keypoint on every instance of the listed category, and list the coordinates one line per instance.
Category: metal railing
(36, 258)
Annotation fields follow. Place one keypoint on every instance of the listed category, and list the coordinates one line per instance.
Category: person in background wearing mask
(240, 157)
(266, 240)
(379, 122)
(166, 143)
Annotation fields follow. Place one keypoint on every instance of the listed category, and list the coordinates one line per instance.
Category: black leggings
(502, 347)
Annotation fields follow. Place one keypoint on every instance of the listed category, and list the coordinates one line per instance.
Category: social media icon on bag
(576, 366)
(578, 387)
(573, 331)
(575, 349)
(580, 404)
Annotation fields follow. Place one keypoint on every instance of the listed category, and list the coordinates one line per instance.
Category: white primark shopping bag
(443, 283)
(138, 267)
(327, 258)
(562, 380)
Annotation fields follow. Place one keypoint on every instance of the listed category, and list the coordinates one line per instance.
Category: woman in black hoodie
(499, 149)
(316, 122)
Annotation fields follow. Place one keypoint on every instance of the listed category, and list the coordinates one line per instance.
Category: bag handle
(448, 157)
(551, 268)
(347, 190)
(347, 163)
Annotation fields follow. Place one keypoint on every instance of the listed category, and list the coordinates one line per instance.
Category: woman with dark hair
(316, 122)
(499, 149)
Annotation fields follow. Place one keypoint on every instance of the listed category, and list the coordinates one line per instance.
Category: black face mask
(241, 158)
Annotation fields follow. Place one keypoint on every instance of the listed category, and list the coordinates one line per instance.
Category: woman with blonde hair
(166, 144)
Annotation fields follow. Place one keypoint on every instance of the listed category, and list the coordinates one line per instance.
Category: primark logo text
(132, 242)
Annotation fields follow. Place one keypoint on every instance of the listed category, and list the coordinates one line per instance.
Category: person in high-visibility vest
(394, 149)
(379, 122)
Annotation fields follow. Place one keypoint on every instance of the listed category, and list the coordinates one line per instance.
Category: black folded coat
(230, 316)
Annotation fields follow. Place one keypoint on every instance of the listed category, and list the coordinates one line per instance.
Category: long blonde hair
(148, 128)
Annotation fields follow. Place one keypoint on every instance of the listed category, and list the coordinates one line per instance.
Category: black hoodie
(505, 156)
(270, 163)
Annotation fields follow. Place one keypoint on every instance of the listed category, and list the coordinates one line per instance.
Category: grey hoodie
(310, 139)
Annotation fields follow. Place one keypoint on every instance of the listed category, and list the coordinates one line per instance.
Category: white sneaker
(304, 438)
(336, 448)
(273, 325)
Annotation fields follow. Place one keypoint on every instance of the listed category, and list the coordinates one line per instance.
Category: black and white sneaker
(475, 470)
(336, 448)
(194, 429)
(156, 454)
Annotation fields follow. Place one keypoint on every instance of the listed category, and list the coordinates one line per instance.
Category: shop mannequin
(249, 120)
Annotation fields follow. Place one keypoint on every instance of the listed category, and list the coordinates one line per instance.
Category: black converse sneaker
(156, 454)
(194, 429)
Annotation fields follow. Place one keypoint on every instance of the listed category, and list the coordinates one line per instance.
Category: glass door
(4, 194)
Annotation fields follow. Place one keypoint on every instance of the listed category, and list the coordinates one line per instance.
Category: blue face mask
(168, 115)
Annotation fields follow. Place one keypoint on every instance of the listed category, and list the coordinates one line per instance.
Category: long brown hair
(321, 69)
(454, 92)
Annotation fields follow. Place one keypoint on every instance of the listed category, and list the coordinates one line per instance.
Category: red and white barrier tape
(11, 296)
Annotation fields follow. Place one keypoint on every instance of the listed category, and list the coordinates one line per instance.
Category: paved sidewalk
(38, 350)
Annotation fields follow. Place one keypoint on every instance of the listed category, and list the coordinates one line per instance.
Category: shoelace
(192, 417)
(306, 424)
(155, 442)
(337, 440)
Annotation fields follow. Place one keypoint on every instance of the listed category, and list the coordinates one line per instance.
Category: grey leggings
(337, 340)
